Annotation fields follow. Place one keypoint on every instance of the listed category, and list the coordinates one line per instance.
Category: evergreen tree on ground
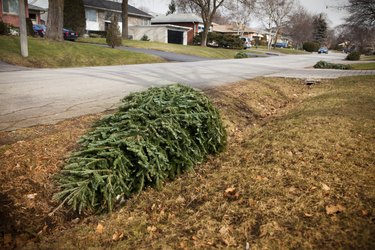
(153, 137)
(113, 38)
(320, 29)
(74, 15)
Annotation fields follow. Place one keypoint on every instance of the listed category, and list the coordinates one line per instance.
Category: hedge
(154, 136)
(327, 65)
(311, 46)
(353, 56)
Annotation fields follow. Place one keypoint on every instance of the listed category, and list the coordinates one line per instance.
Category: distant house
(99, 13)
(233, 29)
(35, 13)
(9, 12)
(192, 21)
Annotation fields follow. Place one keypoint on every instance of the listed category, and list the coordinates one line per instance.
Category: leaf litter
(293, 153)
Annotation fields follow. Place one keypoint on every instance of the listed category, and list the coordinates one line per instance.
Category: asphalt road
(44, 96)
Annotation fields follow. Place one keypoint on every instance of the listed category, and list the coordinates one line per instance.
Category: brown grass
(299, 172)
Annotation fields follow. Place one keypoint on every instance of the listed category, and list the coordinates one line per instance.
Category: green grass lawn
(363, 66)
(367, 58)
(288, 51)
(216, 53)
(51, 54)
(207, 52)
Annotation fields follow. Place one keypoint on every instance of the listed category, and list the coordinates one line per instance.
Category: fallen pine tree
(155, 135)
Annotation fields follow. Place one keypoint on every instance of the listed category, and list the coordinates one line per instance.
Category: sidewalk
(320, 73)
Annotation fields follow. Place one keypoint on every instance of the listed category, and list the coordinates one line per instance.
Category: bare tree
(207, 10)
(362, 12)
(220, 18)
(274, 14)
(299, 26)
(55, 20)
(240, 12)
(125, 19)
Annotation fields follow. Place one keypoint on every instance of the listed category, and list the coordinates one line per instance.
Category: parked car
(280, 45)
(39, 29)
(246, 42)
(70, 35)
(323, 50)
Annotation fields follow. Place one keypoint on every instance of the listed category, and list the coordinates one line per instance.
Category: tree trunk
(207, 25)
(55, 20)
(125, 24)
(23, 29)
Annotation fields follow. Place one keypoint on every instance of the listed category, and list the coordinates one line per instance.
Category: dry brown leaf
(151, 229)
(8, 153)
(325, 187)
(31, 196)
(180, 199)
(230, 190)
(364, 212)
(334, 209)
(99, 229)
(115, 236)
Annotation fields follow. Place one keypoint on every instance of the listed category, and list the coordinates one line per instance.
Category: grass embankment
(50, 54)
(363, 66)
(298, 173)
(207, 52)
(287, 51)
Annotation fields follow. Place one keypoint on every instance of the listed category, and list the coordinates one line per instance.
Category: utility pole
(23, 29)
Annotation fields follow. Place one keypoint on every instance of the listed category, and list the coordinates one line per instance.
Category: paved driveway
(44, 96)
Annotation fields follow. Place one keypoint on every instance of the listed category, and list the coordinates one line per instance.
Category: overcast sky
(335, 15)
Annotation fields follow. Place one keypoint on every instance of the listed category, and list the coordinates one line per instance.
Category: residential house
(192, 21)
(99, 14)
(233, 29)
(9, 12)
(35, 13)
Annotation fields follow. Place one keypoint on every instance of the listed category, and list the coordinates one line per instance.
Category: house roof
(114, 6)
(177, 18)
(33, 7)
(231, 29)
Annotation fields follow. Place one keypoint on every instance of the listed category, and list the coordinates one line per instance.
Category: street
(44, 96)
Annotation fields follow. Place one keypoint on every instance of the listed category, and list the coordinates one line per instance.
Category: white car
(246, 42)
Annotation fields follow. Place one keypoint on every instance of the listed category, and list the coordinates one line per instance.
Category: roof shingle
(115, 6)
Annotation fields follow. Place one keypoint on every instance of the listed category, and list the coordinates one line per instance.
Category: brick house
(9, 10)
(99, 12)
(182, 19)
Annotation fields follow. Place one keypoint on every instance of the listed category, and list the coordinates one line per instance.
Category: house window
(91, 15)
(10, 6)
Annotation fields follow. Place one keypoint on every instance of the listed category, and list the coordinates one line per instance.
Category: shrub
(224, 41)
(145, 38)
(327, 65)
(4, 28)
(311, 46)
(156, 135)
(241, 54)
(113, 38)
(353, 56)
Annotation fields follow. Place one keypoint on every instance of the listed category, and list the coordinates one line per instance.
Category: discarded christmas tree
(155, 136)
